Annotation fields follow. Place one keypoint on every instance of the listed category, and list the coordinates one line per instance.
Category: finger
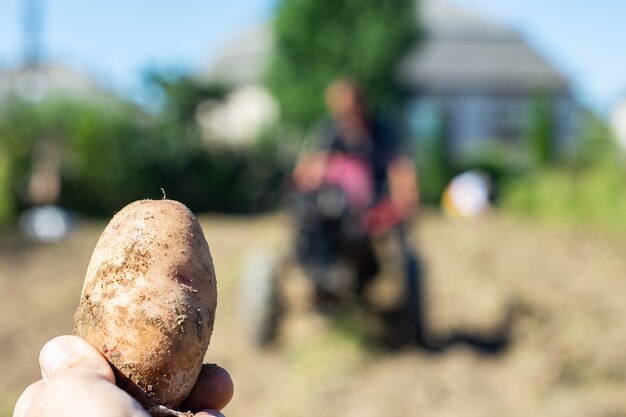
(213, 390)
(208, 413)
(26, 399)
(68, 352)
(77, 392)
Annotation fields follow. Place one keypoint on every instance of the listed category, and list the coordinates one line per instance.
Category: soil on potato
(566, 354)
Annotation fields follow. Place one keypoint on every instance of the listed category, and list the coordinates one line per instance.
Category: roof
(443, 19)
(36, 83)
(243, 59)
(463, 50)
(460, 50)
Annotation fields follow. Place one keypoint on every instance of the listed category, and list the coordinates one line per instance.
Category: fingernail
(209, 413)
(53, 354)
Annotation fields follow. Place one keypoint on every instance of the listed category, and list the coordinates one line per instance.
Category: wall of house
(240, 118)
(476, 125)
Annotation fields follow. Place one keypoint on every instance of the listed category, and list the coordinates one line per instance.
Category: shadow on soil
(409, 326)
(400, 332)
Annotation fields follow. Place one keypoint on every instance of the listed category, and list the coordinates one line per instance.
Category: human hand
(403, 186)
(308, 173)
(78, 381)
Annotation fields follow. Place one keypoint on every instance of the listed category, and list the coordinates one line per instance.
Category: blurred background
(514, 113)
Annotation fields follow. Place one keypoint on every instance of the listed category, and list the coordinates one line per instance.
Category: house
(249, 108)
(36, 84)
(483, 85)
(618, 123)
(471, 81)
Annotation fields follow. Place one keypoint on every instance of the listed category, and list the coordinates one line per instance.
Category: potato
(148, 301)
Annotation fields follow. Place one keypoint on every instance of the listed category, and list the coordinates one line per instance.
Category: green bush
(589, 193)
(225, 179)
(542, 130)
(113, 154)
(6, 202)
(102, 144)
(594, 198)
(434, 170)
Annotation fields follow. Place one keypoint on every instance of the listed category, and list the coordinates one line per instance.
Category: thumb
(72, 352)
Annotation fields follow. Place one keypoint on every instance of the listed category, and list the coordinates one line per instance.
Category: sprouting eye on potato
(148, 301)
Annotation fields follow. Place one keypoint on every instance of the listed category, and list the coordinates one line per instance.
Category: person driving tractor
(389, 189)
(362, 158)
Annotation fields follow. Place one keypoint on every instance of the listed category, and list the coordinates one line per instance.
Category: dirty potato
(148, 301)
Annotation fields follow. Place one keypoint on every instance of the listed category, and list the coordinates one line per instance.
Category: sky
(584, 39)
(116, 40)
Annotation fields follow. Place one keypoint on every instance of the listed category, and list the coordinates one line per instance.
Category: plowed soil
(566, 354)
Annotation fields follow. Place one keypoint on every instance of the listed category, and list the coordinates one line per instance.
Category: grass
(593, 199)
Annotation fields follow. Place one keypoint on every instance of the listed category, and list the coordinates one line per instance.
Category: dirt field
(567, 355)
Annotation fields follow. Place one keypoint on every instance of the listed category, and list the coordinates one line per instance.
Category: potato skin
(149, 298)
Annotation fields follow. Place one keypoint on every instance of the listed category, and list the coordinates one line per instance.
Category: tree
(182, 93)
(542, 130)
(318, 40)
